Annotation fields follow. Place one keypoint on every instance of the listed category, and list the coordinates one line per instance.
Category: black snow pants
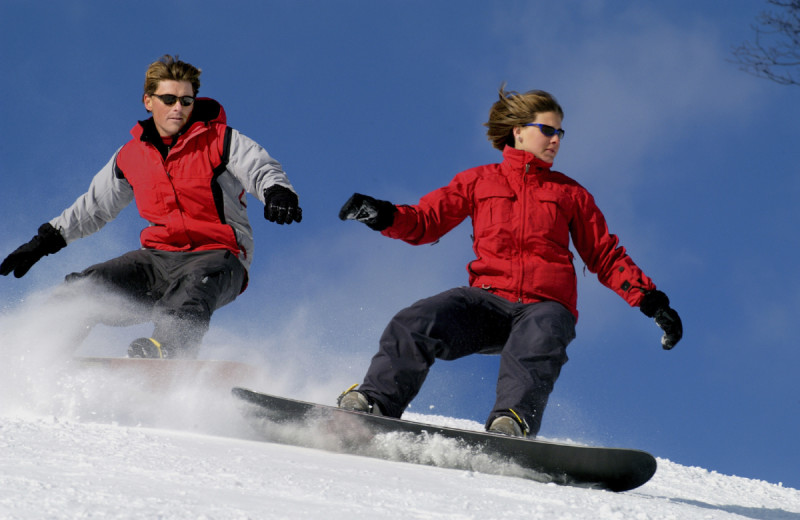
(177, 291)
(531, 340)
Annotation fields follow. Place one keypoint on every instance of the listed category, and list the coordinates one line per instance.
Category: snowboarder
(188, 172)
(522, 297)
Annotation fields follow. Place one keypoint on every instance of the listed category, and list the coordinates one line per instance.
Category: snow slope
(95, 444)
(62, 469)
(81, 441)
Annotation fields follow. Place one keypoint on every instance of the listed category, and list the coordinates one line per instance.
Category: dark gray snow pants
(177, 291)
(531, 340)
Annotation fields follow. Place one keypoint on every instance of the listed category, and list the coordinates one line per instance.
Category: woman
(521, 300)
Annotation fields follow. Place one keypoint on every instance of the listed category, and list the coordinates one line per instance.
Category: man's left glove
(281, 205)
(46, 242)
(656, 305)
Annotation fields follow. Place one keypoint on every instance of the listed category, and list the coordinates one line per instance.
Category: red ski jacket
(523, 216)
(192, 191)
(176, 193)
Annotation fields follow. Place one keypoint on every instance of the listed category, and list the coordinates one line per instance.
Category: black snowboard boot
(358, 402)
(148, 348)
(511, 425)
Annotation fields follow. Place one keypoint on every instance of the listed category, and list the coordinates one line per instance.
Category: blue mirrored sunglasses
(548, 130)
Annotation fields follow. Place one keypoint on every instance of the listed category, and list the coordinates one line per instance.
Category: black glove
(377, 214)
(47, 242)
(281, 205)
(656, 305)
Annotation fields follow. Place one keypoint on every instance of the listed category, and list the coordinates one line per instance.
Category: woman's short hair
(170, 68)
(514, 109)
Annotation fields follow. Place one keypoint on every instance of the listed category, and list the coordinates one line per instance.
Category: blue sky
(693, 162)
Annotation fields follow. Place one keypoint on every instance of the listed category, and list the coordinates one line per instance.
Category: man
(188, 172)
(522, 298)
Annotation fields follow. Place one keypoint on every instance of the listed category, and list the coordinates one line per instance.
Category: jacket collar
(520, 161)
(206, 111)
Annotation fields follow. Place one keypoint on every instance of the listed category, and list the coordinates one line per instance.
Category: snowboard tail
(290, 421)
(163, 374)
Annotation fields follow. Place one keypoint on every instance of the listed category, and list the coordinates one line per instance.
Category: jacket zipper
(178, 204)
(521, 238)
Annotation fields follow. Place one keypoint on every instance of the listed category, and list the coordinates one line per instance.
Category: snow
(81, 441)
(98, 444)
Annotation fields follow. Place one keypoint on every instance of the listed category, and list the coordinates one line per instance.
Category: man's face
(169, 119)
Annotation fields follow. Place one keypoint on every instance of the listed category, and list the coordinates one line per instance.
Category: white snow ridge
(79, 460)
(79, 442)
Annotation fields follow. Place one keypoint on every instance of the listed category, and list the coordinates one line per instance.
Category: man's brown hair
(170, 68)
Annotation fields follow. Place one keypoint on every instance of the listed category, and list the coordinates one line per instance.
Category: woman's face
(169, 119)
(531, 139)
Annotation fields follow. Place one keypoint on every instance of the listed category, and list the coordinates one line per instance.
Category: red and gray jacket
(192, 192)
(523, 216)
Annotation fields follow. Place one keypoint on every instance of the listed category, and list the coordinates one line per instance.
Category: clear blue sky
(694, 163)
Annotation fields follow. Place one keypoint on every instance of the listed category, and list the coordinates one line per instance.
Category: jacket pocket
(495, 206)
(552, 214)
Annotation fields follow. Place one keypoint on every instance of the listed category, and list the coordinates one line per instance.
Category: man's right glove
(655, 304)
(46, 242)
(377, 214)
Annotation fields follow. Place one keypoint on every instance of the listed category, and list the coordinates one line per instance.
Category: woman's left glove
(281, 205)
(656, 305)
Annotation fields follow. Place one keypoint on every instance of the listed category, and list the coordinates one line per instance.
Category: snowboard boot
(358, 402)
(148, 348)
(508, 425)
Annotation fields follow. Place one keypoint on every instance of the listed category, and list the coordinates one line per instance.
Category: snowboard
(278, 419)
(164, 373)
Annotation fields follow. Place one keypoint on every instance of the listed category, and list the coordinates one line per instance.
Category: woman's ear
(517, 132)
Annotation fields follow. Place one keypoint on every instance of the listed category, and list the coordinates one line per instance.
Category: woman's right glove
(656, 305)
(46, 242)
(377, 214)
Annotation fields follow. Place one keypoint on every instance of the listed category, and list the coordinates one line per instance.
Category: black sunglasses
(548, 130)
(170, 99)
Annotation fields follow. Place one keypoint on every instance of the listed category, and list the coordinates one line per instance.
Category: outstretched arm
(107, 195)
(616, 270)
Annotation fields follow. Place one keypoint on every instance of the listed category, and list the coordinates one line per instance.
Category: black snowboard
(289, 421)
